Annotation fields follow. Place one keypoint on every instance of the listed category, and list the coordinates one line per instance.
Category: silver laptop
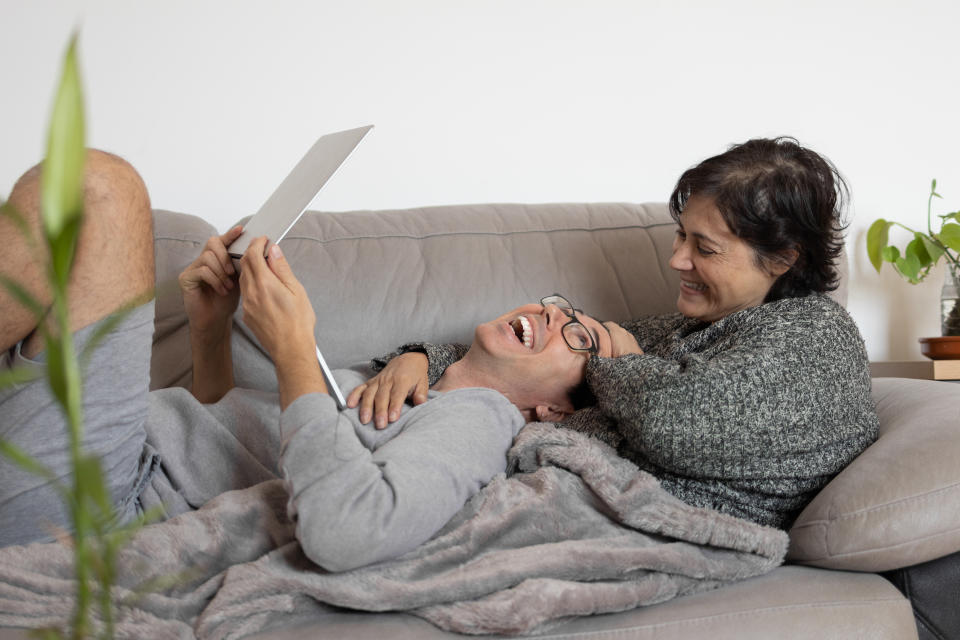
(285, 206)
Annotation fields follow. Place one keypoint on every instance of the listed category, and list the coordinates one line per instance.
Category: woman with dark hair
(753, 396)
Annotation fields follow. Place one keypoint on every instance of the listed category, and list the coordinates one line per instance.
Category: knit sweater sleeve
(780, 391)
(650, 331)
(439, 357)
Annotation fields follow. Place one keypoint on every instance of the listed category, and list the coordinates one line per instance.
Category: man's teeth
(527, 332)
(521, 327)
(696, 286)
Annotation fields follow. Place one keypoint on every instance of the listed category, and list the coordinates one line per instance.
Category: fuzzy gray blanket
(573, 530)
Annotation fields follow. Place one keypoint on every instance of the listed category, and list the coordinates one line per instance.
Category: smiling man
(360, 494)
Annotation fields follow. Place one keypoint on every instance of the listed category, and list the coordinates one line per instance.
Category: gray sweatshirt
(360, 495)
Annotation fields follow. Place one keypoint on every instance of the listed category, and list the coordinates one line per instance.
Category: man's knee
(116, 239)
(113, 264)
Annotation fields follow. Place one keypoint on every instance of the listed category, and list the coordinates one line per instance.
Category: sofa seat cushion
(898, 503)
(799, 603)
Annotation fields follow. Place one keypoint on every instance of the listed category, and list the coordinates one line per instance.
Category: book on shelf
(926, 369)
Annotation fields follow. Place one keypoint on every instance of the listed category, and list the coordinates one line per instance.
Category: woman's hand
(383, 395)
(275, 305)
(623, 342)
(209, 288)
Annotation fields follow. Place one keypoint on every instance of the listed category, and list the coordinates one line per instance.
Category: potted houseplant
(921, 254)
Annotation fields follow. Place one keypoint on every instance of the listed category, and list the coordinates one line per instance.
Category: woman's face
(719, 274)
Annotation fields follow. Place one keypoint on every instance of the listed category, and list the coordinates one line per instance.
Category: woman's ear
(779, 266)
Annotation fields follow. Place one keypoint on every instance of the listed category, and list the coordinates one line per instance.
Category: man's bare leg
(114, 257)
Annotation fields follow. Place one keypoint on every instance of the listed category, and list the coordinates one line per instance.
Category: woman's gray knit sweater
(751, 415)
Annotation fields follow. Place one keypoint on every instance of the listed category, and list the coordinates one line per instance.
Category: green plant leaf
(90, 485)
(951, 216)
(17, 375)
(120, 535)
(950, 235)
(891, 254)
(877, 239)
(909, 267)
(23, 460)
(934, 249)
(56, 377)
(61, 183)
(109, 323)
(99, 333)
(24, 297)
(9, 211)
(62, 249)
(917, 249)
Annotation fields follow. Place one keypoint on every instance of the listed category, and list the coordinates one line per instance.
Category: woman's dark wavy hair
(777, 196)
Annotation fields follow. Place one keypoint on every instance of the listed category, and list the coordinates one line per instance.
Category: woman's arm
(769, 391)
(439, 357)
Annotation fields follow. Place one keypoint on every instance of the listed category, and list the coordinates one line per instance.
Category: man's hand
(209, 288)
(623, 342)
(278, 311)
(275, 305)
(210, 294)
(383, 395)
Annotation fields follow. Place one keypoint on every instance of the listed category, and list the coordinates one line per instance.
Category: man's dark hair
(778, 197)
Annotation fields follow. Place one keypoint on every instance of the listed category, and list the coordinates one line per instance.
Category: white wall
(535, 101)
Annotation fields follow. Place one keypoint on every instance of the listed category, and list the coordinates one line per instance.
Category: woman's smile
(690, 287)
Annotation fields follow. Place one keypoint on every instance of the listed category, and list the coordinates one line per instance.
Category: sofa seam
(701, 620)
(177, 239)
(853, 554)
(886, 506)
(442, 234)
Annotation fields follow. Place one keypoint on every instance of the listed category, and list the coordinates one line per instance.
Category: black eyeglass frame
(570, 311)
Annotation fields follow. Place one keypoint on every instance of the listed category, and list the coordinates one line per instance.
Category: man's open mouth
(521, 327)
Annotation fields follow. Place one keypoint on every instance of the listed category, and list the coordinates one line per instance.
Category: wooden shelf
(924, 369)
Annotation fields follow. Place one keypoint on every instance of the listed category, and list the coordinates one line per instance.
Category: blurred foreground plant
(96, 540)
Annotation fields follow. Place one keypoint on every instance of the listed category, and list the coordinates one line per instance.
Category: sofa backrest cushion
(378, 279)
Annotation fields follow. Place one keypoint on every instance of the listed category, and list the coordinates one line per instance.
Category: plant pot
(950, 302)
(942, 348)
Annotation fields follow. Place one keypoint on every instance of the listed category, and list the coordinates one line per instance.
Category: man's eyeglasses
(577, 336)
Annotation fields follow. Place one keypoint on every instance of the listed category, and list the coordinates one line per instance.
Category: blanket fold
(573, 530)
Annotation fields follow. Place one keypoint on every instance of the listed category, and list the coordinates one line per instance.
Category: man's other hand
(209, 288)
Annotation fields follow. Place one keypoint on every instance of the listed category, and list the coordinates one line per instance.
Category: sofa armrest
(898, 503)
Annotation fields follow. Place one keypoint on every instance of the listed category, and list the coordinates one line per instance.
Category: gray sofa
(380, 278)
